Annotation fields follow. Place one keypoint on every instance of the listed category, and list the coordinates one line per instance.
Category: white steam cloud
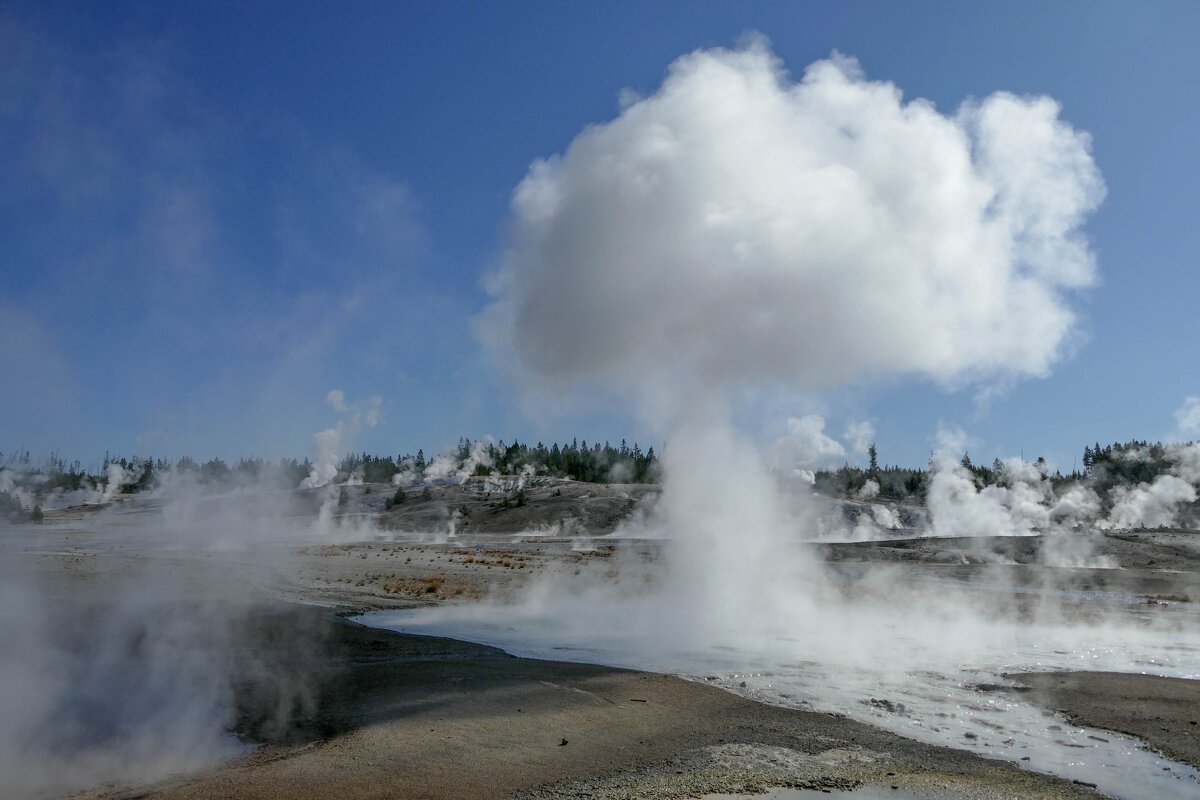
(135, 659)
(1024, 501)
(740, 230)
(736, 231)
(330, 445)
(446, 468)
(859, 436)
(737, 226)
(1157, 502)
(806, 446)
(1187, 418)
(337, 399)
(1150, 504)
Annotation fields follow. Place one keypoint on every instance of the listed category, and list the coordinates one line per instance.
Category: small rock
(562, 743)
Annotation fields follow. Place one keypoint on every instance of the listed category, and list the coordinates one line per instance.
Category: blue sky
(213, 214)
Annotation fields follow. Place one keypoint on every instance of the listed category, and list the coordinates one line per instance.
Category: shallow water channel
(940, 683)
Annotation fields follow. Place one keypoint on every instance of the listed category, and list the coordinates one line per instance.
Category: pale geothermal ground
(139, 634)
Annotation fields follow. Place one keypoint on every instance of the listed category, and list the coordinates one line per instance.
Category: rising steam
(332, 443)
(117, 665)
(739, 227)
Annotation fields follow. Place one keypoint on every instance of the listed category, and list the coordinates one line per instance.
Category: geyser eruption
(739, 229)
(734, 571)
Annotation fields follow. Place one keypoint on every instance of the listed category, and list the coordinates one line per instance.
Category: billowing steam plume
(446, 468)
(331, 444)
(739, 229)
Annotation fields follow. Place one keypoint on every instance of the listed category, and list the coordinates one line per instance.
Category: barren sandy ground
(398, 716)
(413, 717)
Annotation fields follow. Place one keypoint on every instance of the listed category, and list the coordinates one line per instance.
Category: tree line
(597, 463)
(1104, 468)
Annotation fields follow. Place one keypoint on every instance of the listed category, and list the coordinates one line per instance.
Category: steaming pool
(935, 678)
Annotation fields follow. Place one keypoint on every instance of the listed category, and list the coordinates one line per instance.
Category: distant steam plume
(1187, 417)
(859, 436)
(806, 448)
(330, 445)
